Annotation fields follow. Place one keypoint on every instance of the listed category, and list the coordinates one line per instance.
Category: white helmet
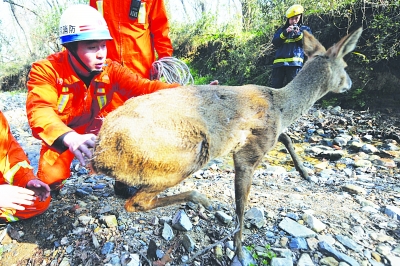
(82, 22)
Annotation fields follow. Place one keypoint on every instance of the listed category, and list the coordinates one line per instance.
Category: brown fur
(155, 141)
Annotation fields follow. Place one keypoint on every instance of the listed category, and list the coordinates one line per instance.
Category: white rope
(171, 70)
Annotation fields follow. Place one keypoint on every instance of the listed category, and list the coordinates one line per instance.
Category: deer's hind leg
(147, 198)
(246, 160)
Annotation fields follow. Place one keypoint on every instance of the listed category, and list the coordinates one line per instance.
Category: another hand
(41, 190)
(80, 145)
(214, 82)
(14, 197)
(293, 28)
(289, 29)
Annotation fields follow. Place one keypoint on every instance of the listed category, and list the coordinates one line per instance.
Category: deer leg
(298, 164)
(245, 162)
(146, 199)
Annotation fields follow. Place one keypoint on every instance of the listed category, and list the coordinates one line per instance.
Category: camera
(296, 28)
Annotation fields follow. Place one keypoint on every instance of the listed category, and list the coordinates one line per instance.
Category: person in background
(68, 90)
(288, 40)
(140, 32)
(22, 194)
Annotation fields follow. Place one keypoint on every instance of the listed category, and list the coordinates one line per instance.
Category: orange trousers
(55, 174)
(12, 215)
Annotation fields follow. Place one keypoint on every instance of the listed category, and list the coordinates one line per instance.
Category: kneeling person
(68, 90)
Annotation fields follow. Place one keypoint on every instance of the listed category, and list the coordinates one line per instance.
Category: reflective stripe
(282, 36)
(293, 59)
(100, 7)
(8, 214)
(83, 36)
(62, 102)
(102, 100)
(300, 37)
(9, 175)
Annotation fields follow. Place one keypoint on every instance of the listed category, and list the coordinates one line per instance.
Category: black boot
(55, 189)
(124, 191)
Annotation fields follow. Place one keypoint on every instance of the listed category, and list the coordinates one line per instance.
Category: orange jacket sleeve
(11, 154)
(132, 84)
(41, 103)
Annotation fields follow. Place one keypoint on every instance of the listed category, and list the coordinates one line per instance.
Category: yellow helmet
(294, 10)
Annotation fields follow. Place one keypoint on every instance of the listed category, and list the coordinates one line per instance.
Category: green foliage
(329, 102)
(263, 257)
(237, 56)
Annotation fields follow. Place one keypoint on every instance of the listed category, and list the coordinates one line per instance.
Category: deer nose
(349, 82)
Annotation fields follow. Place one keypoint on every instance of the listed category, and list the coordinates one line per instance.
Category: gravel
(348, 215)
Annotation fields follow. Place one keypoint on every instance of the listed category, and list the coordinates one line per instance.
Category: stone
(383, 249)
(394, 260)
(327, 249)
(327, 238)
(305, 260)
(281, 262)
(167, 232)
(188, 243)
(315, 224)
(256, 217)
(393, 212)
(295, 229)
(329, 261)
(353, 189)
(298, 243)
(181, 221)
(109, 220)
(223, 217)
(107, 248)
(349, 243)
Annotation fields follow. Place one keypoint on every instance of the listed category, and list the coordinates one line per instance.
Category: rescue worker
(68, 90)
(22, 194)
(139, 30)
(288, 40)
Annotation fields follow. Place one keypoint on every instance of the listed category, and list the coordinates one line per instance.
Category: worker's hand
(154, 75)
(14, 197)
(80, 145)
(41, 190)
(294, 29)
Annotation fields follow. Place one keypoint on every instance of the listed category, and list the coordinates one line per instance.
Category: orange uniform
(15, 170)
(59, 102)
(135, 39)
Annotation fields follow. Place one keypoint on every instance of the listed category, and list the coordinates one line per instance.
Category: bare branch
(13, 4)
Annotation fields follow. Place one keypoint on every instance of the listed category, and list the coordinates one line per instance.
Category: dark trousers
(281, 76)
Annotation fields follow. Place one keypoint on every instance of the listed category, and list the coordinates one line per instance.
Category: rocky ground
(347, 215)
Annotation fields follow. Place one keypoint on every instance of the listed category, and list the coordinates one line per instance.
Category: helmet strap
(92, 73)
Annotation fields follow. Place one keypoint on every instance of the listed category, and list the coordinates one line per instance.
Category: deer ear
(312, 46)
(345, 45)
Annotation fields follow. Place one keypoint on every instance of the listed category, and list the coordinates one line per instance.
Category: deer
(157, 140)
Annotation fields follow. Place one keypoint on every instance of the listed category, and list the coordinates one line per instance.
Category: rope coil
(171, 70)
